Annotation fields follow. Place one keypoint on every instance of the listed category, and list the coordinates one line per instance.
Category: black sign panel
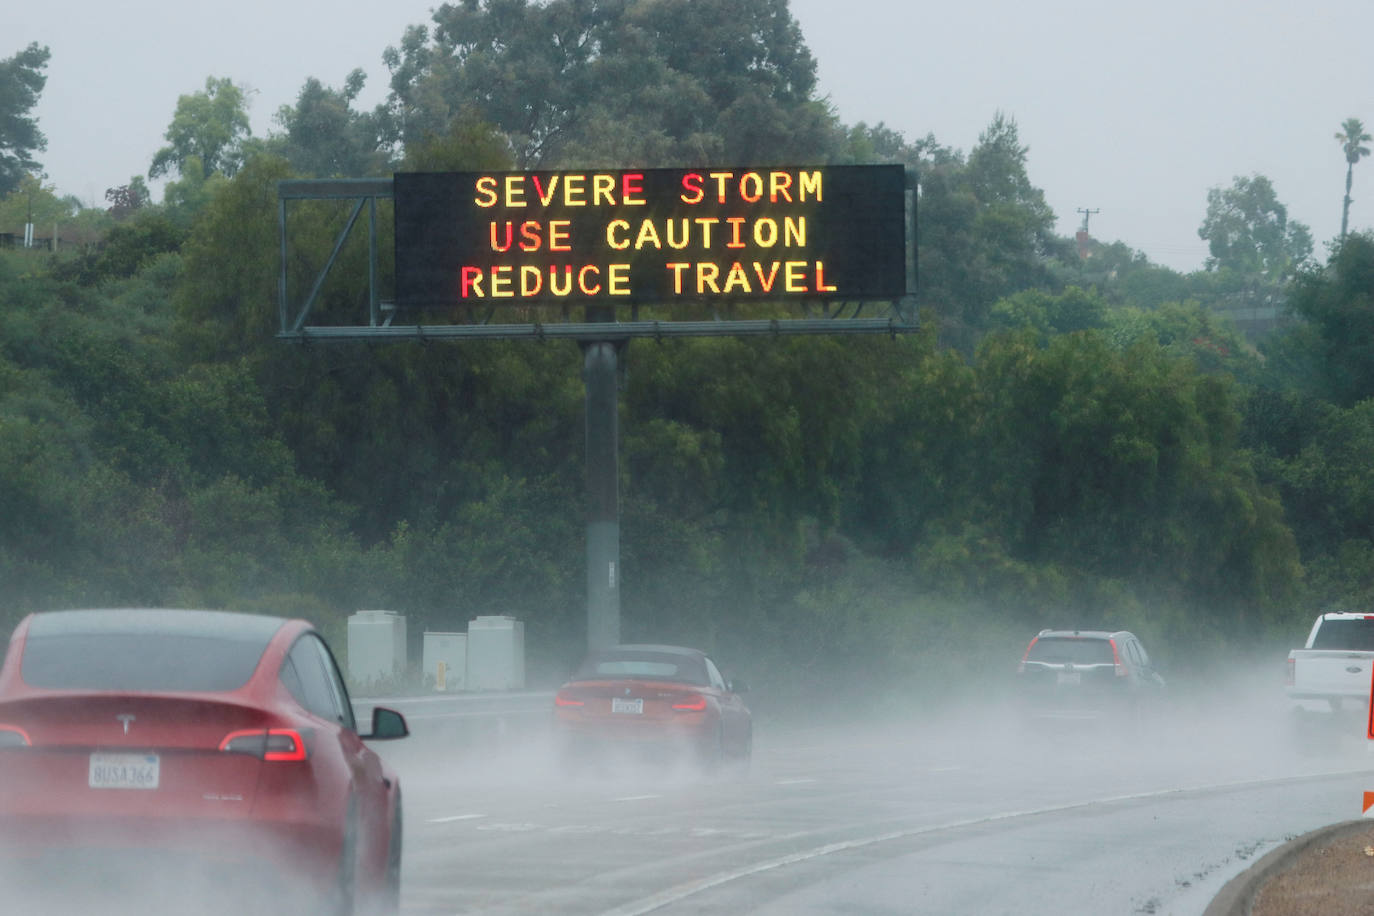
(650, 235)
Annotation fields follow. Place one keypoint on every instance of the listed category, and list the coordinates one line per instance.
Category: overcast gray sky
(1134, 110)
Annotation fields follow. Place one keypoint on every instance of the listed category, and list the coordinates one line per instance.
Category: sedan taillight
(269, 744)
(564, 699)
(14, 736)
(693, 703)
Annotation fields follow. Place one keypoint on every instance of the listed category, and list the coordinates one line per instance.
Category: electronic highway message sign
(650, 235)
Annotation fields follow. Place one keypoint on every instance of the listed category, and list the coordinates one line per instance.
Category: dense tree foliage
(1069, 440)
(608, 82)
(984, 232)
(1338, 305)
(324, 137)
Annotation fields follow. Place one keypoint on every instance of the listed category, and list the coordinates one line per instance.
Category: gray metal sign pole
(599, 363)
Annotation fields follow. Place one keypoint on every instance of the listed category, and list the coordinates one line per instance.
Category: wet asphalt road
(961, 814)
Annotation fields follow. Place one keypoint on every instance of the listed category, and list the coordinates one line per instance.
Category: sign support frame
(602, 338)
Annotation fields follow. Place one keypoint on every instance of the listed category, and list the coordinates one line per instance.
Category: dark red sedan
(652, 703)
(218, 747)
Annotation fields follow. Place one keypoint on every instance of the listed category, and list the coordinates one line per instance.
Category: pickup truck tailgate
(1322, 673)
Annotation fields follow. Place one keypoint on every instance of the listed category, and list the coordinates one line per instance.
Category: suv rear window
(1064, 650)
(142, 661)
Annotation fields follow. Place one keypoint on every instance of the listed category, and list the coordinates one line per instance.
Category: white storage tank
(450, 650)
(496, 653)
(376, 646)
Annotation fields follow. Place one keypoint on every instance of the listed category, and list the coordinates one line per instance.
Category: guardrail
(467, 717)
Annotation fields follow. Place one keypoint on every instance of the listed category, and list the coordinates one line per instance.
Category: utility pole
(28, 223)
(1086, 214)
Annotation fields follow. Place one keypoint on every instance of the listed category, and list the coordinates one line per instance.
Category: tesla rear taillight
(270, 744)
(14, 736)
(694, 703)
(563, 699)
(1116, 660)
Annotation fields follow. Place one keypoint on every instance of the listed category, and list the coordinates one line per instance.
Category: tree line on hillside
(1069, 441)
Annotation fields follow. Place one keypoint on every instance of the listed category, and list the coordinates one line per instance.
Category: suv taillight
(1290, 675)
(1021, 666)
(1116, 660)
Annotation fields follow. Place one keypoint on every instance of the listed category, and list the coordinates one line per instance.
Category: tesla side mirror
(387, 725)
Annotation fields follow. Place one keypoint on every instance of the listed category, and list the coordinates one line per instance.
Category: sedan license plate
(124, 771)
(1070, 678)
(633, 707)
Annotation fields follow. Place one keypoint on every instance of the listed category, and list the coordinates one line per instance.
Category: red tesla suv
(144, 747)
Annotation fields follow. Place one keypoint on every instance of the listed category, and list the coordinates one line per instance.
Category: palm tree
(1351, 136)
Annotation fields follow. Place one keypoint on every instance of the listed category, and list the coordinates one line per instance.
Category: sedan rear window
(629, 668)
(684, 670)
(1057, 650)
(139, 661)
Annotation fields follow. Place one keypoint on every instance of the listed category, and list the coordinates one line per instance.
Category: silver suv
(1087, 675)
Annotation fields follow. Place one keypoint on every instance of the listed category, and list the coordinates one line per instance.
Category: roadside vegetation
(1078, 437)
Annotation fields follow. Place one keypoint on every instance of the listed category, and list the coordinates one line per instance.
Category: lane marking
(801, 780)
(637, 830)
(690, 888)
(456, 817)
(945, 769)
(630, 798)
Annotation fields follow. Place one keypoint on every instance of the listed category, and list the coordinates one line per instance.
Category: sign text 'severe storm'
(650, 235)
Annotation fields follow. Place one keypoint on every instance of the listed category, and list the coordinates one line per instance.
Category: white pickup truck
(1335, 668)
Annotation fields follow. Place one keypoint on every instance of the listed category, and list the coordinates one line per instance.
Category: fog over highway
(954, 810)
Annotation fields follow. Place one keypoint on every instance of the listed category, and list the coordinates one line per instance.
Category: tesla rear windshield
(684, 669)
(159, 662)
(1068, 650)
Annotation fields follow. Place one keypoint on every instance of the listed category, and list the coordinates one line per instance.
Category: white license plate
(124, 771)
(634, 707)
(1070, 678)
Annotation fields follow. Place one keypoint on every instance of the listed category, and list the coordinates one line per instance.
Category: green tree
(126, 248)
(985, 231)
(656, 82)
(207, 132)
(322, 136)
(31, 201)
(128, 199)
(1248, 231)
(1074, 309)
(1338, 302)
(21, 83)
(1352, 137)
